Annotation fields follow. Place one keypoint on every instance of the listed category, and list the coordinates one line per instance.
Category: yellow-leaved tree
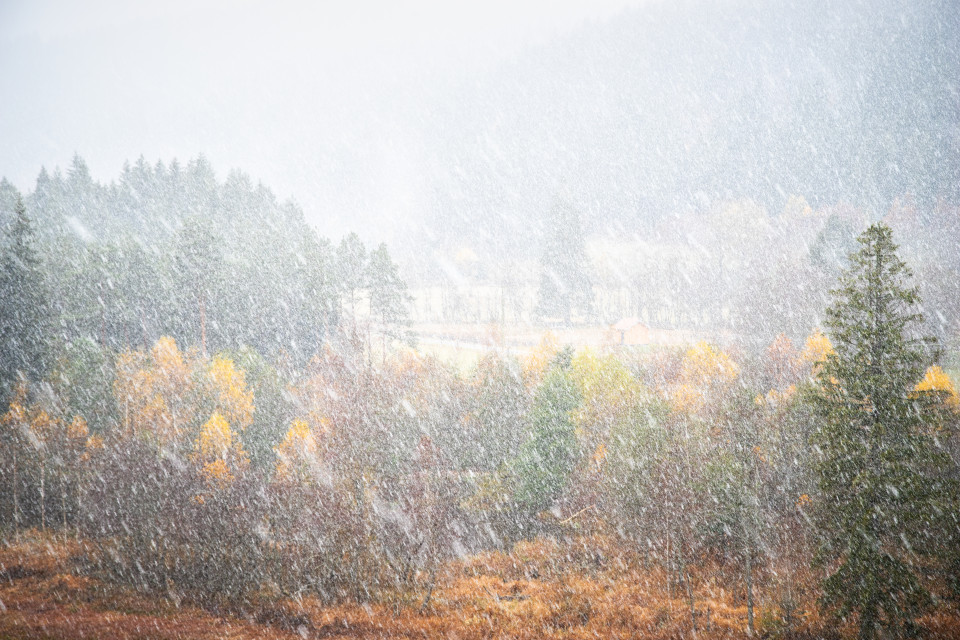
(218, 453)
(165, 395)
(297, 454)
(706, 375)
(536, 362)
(224, 387)
(936, 381)
(610, 396)
(815, 350)
(155, 393)
(37, 439)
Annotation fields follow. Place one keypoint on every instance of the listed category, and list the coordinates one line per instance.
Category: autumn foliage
(410, 487)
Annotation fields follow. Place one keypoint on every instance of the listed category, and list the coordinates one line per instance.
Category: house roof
(626, 324)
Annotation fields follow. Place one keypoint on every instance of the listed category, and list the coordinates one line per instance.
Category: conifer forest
(622, 319)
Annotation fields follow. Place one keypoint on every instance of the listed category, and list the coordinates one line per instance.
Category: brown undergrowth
(581, 588)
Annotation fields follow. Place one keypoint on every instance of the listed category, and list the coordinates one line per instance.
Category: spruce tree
(23, 307)
(565, 285)
(874, 452)
(388, 292)
(351, 264)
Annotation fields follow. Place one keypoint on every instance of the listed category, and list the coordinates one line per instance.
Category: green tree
(351, 261)
(388, 292)
(548, 458)
(565, 286)
(273, 407)
(200, 267)
(874, 451)
(24, 330)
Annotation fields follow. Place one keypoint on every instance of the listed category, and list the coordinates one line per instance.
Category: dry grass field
(544, 589)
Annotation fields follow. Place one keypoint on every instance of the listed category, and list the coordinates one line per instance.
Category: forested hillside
(633, 319)
(807, 488)
(173, 251)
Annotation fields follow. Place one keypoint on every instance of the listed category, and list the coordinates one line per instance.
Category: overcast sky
(300, 95)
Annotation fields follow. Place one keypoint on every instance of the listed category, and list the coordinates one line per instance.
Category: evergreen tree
(548, 458)
(351, 268)
(874, 453)
(200, 266)
(388, 292)
(23, 306)
(565, 286)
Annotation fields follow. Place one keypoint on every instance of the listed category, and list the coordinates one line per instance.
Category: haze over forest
(464, 126)
(629, 319)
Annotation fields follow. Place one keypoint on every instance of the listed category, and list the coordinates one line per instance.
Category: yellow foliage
(609, 392)
(686, 398)
(59, 437)
(227, 387)
(936, 380)
(163, 395)
(218, 453)
(217, 475)
(775, 397)
(156, 416)
(16, 415)
(42, 425)
(704, 373)
(600, 455)
(216, 438)
(77, 428)
(536, 362)
(154, 392)
(816, 349)
(296, 452)
(171, 372)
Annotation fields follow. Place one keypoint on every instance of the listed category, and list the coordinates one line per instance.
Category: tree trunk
(16, 492)
(203, 325)
(63, 500)
(750, 629)
(43, 500)
(433, 580)
(693, 609)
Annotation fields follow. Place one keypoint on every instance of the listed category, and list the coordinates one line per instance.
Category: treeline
(168, 250)
(234, 477)
(732, 268)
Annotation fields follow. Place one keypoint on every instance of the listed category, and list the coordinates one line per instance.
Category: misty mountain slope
(671, 106)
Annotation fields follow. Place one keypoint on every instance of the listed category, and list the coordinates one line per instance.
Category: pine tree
(388, 292)
(23, 307)
(351, 261)
(875, 455)
(201, 270)
(565, 286)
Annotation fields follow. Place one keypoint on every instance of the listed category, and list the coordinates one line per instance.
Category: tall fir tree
(565, 285)
(388, 292)
(24, 330)
(201, 268)
(875, 454)
(351, 264)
